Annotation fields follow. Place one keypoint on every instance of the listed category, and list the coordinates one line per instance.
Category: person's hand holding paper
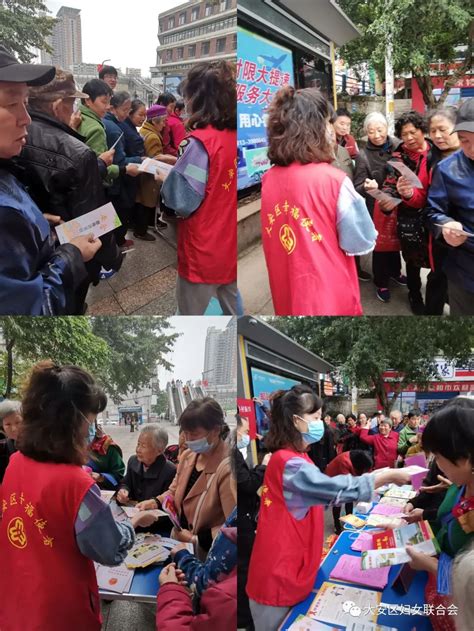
(407, 173)
(453, 233)
(404, 187)
(88, 246)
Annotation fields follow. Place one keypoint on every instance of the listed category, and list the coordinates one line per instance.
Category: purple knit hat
(154, 111)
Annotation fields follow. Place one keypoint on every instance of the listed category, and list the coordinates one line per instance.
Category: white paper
(149, 165)
(383, 197)
(107, 495)
(455, 230)
(114, 579)
(407, 173)
(372, 559)
(116, 142)
(303, 623)
(332, 604)
(98, 222)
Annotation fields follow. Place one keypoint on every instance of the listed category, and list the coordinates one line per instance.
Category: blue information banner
(262, 69)
(263, 384)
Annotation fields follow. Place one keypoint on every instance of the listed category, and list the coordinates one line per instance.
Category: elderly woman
(201, 491)
(10, 420)
(313, 221)
(149, 474)
(36, 277)
(54, 520)
(152, 135)
(370, 173)
(409, 229)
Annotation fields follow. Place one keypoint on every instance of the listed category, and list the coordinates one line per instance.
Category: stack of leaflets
(146, 550)
(353, 520)
(393, 501)
(386, 521)
(389, 546)
(340, 604)
(405, 492)
(349, 570)
(114, 579)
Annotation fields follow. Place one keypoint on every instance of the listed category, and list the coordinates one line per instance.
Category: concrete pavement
(255, 289)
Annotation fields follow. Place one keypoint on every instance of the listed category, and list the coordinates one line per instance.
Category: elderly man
(36, 276)
(409, 434)
(10, 420)
(148, 472)
(396, 417)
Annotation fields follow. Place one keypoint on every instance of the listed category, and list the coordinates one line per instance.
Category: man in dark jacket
(62, 173)
(450, 205)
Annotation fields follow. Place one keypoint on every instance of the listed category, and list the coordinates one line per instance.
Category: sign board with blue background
(263, 384)
(262, 69)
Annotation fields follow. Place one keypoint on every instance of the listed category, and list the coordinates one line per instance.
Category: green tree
(136, 345)
(162, 403)
(422, 33)
(25, 26)
(63, 340)
(364, 348)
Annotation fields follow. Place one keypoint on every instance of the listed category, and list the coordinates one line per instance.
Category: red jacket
(287, 551)
(218, 608)
(341, 465)
(309, 272)
(207, 239)
(349, 143)
(46, 583)
(177, 131)
(385, 447)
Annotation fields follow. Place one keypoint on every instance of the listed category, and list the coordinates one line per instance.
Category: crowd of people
(315, 462)
(326, 202)
(59, 161)
(54, 461)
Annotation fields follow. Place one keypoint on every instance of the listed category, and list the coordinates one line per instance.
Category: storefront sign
(262, 69)
(448, 386)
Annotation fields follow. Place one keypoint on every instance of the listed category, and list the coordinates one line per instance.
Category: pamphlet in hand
(407, 173)
(417, 474)
(149, 165)
(380, 196)
(456, 230)
(339, 604)
(170, 509)
(98, 222)
(131, 511)
(116, 142)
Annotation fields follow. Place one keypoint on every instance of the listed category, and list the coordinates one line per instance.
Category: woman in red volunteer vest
(202, 190)
(313, 221)
(287, 550)
(54, 523)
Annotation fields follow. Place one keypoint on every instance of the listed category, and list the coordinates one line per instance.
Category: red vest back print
(46, 584)
(309, 273)
(207, 240)
(287, 551)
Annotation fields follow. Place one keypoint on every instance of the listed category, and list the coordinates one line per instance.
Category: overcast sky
(188, 353)
(125, 32)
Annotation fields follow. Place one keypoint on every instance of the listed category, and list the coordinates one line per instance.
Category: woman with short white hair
(370, 172)
(148, 472)
(10, 421)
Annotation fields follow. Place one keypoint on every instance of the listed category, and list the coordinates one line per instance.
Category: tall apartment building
(65, 40)
(220, 358)
(198, 30)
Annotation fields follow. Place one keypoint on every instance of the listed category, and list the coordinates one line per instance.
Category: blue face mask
(199, 446)
(315, 431)
(91, 432)
(243, 442)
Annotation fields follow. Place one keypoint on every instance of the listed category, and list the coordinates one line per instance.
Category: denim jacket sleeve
(356, 230)
(304, 486)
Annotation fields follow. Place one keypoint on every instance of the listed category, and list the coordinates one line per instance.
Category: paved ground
(145, 284)
(255, 289)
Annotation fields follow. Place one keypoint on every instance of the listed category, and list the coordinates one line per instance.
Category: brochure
(149, 165)
(393, 501)
(407, 173)
(114, 579)
(372, 559)
(170, 509)
(417, 474)
(400, 537)
(387, 521)
(403, 492)
(303, 623)
(352, 520)
(146, 550)
(338, 604)
(131, 511)
(349, 569)
(98, 222)
(380, 196)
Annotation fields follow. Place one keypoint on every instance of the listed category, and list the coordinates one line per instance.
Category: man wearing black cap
(36, 278)
(450, 212)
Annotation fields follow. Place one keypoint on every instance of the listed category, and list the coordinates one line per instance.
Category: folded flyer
(149, 165)
(407, 173)
(98, 222)
(380, 196)
(170, 509)
(145, 551)
(372, 559)
(339, 604)
(114, 579)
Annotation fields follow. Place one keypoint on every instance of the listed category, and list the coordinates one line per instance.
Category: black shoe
(144, 237)
(161, 225)
(417, 305)
(363, 275)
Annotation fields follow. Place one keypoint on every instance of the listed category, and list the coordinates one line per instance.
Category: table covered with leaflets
(365, 582)
(136, 578)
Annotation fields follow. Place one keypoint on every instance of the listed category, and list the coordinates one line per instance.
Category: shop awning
(325, 16)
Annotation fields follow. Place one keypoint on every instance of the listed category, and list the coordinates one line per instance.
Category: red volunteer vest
(46, 584)
(287, 551)
(207, 240)
(309, 273)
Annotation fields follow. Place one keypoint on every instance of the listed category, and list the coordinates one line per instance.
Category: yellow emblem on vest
(287, 238)
(16, 533)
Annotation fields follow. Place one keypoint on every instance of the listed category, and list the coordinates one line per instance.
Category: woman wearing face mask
(200, 492)
(287, 550)
(54, 522)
